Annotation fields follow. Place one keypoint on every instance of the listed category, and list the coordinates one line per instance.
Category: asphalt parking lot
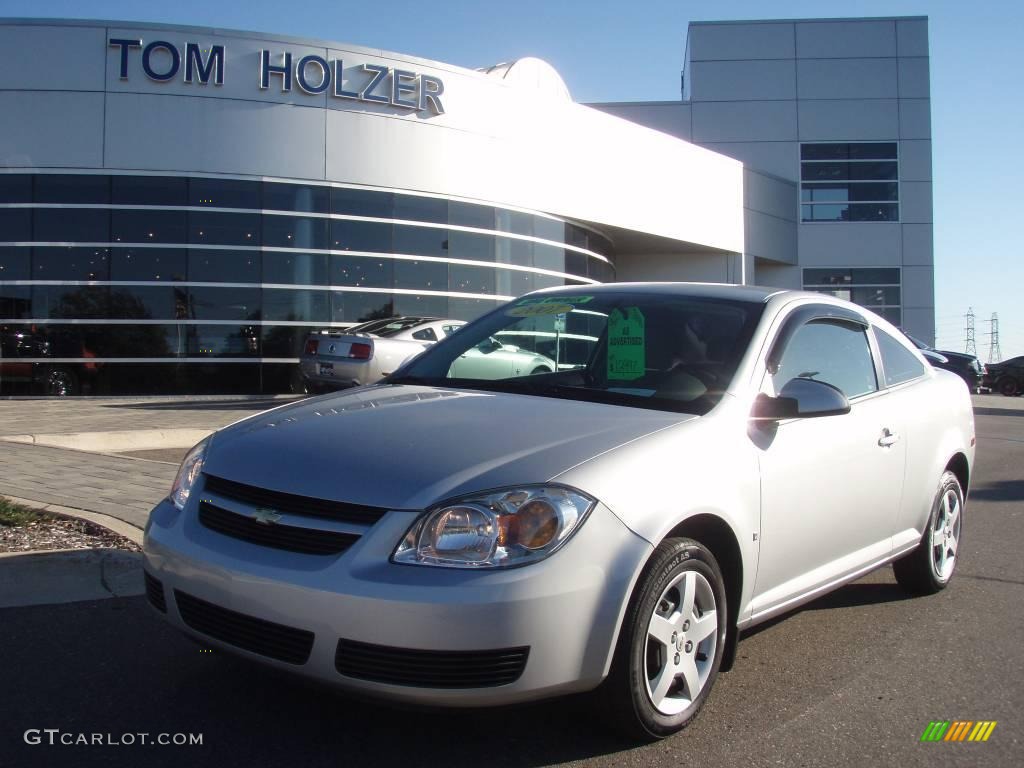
(851, 679)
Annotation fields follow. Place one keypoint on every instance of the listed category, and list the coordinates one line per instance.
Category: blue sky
(618, 51)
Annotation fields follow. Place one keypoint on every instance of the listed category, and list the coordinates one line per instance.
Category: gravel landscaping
(23, 529)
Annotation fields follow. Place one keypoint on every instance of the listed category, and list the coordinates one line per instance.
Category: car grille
(266, 638)
(430, 669)
(310, 541)
(292, 503)
(155, 592)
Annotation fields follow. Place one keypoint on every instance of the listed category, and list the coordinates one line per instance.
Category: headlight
(188, 473)
(496, 529)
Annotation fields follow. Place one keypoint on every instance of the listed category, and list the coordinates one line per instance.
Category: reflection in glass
(224, 228)
(15, 188)
(362, 271)
(286, 304)
(16, 224)
(361, 202)
(360, 236)
(415, 208)
(420, 241)
(224, 303)
(223, 341)
(72, 188)
(55, 263)
(472, 245)
(209, 266)
(224, 193)
(15, 263)
(148, 264)
(148, 226)
(429, 275)
(70, 225)
(295, 268)
(148, 190)
(421, 306)
(353, 307)
(148, 302)
(295, 232)
(71, 302)
(296, 197)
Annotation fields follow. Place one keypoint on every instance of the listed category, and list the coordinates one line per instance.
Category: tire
(658, 665)
(930, 567)
(1008, 386)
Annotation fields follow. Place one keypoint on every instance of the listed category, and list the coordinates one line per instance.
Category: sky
(618, 51)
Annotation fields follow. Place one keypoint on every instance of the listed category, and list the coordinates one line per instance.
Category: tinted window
(207, 266)
(361, 271)
(148, 264)
(15, 224)
(835, 353)
(469, 215)
(225, 193)
(361, 202)
(899, 362)
(410, 304)
(148, 226)
(471, 279)
(71, 302)
(223, 341)
(471, 245)
(296, 268)
(15, 188)
(66, 225)
(80, 188)
(295, 232)
(71, 264)
(147, 302)
(421, 208)
(296, 197)
(148, 190)
(353, 307)
(224, 303)
(224, 228)
(285, 304)
(428, 275)
(15, 301)
(360, 236)
(14, 263)
(421, 241)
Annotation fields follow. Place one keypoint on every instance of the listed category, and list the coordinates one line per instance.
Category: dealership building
(179, 206)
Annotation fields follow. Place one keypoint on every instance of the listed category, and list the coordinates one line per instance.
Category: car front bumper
(565, 610)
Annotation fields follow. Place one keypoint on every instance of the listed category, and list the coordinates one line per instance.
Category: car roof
(751, 293)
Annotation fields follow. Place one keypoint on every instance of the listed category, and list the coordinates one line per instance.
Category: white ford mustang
(702, 459)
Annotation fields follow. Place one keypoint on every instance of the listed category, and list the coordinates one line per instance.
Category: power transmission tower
(969, 346)
(995, 354)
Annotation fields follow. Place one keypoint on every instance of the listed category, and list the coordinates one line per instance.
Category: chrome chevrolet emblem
(267, 516)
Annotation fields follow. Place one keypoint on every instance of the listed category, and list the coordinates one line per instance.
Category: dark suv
(1006, 377)
(967, 367)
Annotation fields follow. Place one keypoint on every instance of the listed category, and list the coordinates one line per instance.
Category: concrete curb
(112, 524)
(115, 441)
(68, 576)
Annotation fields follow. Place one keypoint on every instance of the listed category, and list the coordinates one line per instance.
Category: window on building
(849, 182)
(877, 288)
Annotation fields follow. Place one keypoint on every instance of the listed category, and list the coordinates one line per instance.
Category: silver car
(722, 455)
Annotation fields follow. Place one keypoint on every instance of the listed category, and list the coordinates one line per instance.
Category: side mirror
(801, 399)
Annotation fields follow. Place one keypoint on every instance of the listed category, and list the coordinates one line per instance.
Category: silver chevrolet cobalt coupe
(702, 459)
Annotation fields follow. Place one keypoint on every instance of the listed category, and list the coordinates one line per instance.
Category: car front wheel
(1008, 387)
(671, 643)
(929, 568)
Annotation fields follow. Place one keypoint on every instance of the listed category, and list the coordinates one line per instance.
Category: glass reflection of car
(490, 359)
(721, 456)
(24, 364)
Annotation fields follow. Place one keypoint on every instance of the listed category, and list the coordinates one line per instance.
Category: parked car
(1006, 377)
(967, 367)
(366, 353)
(490, 359)
(722, 457)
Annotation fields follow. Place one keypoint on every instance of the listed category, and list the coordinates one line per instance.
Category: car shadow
(998, 412)
(851, 596)
(1001, 490)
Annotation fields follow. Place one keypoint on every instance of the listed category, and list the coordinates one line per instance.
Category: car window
(899, 362)
(833, 352)
(425, 334)
(450, 329)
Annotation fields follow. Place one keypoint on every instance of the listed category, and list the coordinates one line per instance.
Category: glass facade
(164, 284)
(877, 288)
(849, 182)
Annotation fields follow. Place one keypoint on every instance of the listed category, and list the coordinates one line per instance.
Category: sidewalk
(124, 487)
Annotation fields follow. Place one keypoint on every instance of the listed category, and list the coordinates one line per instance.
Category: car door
(830, 486)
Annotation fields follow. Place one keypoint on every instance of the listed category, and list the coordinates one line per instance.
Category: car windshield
(649, 350)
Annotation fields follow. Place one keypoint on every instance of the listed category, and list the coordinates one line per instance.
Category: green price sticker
(626, 345)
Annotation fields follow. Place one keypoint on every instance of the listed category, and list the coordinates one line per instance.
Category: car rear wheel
(671, 643)
(929, 568)
(60, 382)
(1008, 387)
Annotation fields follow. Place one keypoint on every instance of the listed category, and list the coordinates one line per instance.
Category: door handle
(888, 438)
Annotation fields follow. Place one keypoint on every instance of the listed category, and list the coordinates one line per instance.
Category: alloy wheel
(946, 535)
(682, 637)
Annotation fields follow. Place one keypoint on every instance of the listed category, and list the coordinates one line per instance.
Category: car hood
(406, 447)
